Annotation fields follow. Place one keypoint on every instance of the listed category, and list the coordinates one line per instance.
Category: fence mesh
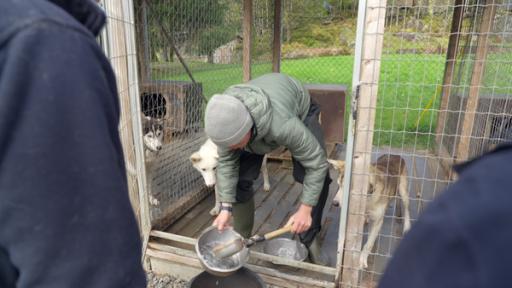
(443, 97)
(484, 44)
(443, 94)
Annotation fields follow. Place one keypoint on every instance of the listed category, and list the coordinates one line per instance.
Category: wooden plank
(191, 217)
(158, 247)
(263, 213)
(198, 218)
(292, 263)
(170, 215)
(171, 249)
(275, 178)
(364, 125)
(276, 50)
(286, 206)
(247, 42)
(193, 262)
(205, 221)
(120, 47)
(451, 56)
(201, 221)
(476, 79)
(173, 237)
(298, 281)
(185, 260)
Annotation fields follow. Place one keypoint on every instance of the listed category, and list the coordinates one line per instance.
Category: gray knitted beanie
(227, 120)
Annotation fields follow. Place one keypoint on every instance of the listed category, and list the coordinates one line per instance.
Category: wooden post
(118, 46)
(120, 36)
(476, 78)
(247, 26)
(276, 51)
(142, 41)
(451, 55)
(364, 126)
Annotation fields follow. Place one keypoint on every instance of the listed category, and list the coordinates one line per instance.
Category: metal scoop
(236, 245)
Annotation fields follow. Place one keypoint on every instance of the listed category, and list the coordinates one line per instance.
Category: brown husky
(387, 175)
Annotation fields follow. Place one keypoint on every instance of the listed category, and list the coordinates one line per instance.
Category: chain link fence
(443, 97)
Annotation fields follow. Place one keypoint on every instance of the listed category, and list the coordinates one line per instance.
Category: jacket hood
(86, 12)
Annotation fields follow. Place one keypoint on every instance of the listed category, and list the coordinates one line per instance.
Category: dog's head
(154, 135)
(206, 164)
(339, 166)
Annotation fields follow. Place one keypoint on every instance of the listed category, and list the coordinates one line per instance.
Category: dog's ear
(195, 157)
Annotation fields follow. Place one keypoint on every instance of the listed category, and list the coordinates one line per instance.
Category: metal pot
(241, 278)
(210, 238)
(286, 248)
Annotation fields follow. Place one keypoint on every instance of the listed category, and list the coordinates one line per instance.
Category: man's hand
(223, 220)
(301, 220)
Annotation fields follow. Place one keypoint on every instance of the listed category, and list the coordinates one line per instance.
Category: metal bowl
(286, 248)
(210, 238)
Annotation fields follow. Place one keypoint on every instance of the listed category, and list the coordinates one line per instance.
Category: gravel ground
(165, 281)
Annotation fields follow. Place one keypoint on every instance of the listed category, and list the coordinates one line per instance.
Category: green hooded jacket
(278, 105)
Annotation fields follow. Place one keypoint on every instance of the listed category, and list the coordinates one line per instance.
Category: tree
(298, 13)
(183, 20)
(211, 38)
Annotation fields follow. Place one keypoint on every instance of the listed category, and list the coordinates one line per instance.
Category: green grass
(407, 83)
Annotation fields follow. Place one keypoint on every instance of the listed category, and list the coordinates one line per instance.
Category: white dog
(205, 161)
(387, 177)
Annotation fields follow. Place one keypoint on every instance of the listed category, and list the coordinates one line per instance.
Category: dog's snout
(158, 148)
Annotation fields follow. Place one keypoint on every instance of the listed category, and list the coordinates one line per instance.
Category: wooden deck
(275, 207)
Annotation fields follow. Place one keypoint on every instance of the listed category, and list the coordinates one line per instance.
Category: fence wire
(433, 64)
(443, 94)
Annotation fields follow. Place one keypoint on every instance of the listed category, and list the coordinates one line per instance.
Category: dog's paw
(215, 211)
(266, 187)
(363, 260)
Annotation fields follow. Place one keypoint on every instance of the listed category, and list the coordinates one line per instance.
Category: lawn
(408, 83)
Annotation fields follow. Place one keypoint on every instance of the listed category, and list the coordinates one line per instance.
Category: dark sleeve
(65, 215)
(434, 253)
